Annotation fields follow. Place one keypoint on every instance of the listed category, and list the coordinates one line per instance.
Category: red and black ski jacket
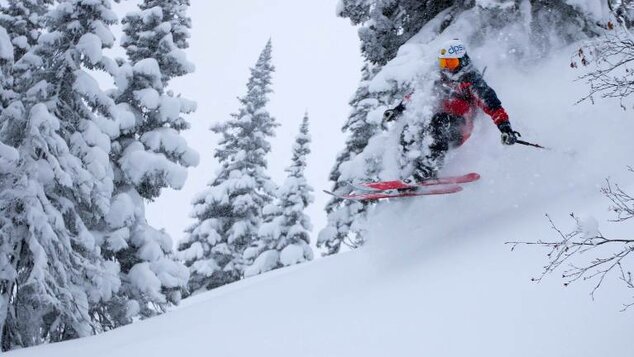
(462, 96)
(462, 93)
(469, 91)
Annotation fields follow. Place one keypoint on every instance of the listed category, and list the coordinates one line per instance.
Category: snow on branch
(623, 203)
(612, 57)
(585, 254)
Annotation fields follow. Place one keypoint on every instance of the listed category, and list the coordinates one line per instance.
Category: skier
(461, 90)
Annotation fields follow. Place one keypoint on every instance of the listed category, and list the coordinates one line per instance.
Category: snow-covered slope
(435, 278)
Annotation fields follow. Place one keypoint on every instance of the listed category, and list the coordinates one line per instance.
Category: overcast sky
(317, 62)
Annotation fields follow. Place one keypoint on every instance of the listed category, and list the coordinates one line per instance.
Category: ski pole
(526, 143)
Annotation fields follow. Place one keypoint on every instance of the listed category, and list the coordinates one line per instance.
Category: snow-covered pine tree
(388, 24)
(354, 165)
(228, 213)
(169, 24)
(8, 165)
(385, 25)
(23, 22)
(148, 155)
(341, 214)
(60, 181)
(285, 236)
(6, 64)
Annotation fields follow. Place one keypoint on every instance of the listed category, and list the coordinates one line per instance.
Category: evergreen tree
(60, 181)
(147, 155)
(168, 25)
(6, 64)
(354, 164)
(285, 236)
(387, 24)
(229, 212)
(23, 21)
(8, 165)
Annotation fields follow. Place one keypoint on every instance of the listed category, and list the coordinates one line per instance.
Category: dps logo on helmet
(453, 49)
(456, 49)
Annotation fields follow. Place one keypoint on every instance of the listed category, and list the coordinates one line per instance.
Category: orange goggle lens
(449, 63)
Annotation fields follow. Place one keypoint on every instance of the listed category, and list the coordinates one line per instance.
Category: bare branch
(585, 254)
(622, 11)
(623, 204)
(612, 56)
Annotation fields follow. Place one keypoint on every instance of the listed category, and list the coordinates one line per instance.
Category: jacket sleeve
(488, 101)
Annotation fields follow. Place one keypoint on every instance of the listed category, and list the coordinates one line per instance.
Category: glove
(392, 114)
(508, 136)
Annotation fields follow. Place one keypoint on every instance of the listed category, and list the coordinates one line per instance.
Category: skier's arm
(489, 102)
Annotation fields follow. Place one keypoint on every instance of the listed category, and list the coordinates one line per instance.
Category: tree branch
(586, 254)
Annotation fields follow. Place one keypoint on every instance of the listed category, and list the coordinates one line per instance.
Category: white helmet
(453, 49)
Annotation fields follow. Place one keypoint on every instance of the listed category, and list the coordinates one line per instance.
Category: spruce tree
(388, 24)
(385, 25)
(285, 236)
(355, 165)
(168, 24)
(23, 21)
(148, 154)
(60, 181)
(8, 166)
(6, 64)
(228, 213)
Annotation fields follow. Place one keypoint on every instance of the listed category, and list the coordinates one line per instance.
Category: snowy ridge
(435, 277)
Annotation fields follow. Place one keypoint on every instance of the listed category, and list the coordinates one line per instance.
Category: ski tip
(362, 187)
(334, 194)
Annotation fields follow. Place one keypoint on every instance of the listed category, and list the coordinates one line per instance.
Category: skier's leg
(456, 131)
(440, 129)
(427, 166)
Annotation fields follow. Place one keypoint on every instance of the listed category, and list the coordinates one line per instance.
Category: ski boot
(419, 175)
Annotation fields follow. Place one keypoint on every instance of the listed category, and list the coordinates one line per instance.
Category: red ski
(373, 196)
(398, 184)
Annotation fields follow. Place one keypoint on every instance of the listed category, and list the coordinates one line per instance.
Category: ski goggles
(449, 63)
